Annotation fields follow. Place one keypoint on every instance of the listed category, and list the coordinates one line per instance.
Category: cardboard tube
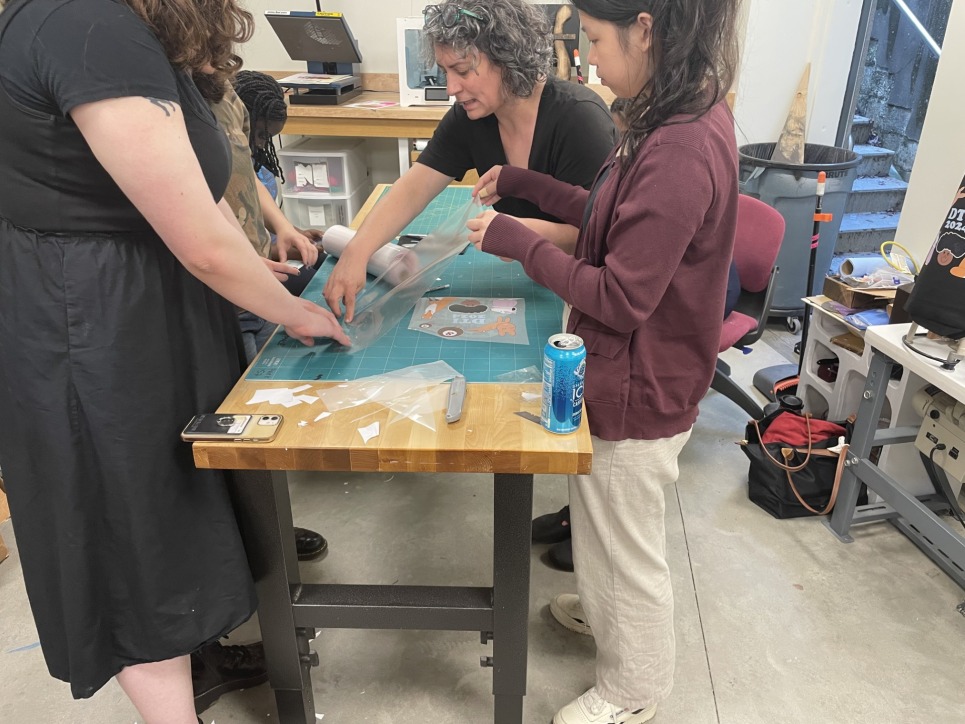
(862, 265)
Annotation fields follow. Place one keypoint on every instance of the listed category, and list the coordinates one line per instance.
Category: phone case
(239, 428)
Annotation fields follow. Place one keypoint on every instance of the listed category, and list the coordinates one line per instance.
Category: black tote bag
(792, 480)
(937, 302)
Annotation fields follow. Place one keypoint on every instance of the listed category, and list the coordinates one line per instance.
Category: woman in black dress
(117, 262)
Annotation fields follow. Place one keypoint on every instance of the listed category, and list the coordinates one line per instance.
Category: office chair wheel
(793, 324)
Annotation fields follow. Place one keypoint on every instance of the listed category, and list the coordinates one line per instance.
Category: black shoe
(309, 544)
(217, 669)
(560, 555)
(552, 527)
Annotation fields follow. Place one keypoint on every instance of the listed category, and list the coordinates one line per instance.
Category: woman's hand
(478, 226)
(344, 283)
(281, 270)
(485, 188)
(316, 322)
(291, 238)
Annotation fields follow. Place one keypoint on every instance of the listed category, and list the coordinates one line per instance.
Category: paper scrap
(322, 416)
(369, 431)
(282, 396)
(303, 423)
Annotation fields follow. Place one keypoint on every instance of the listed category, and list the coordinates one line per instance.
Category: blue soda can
(564, 367)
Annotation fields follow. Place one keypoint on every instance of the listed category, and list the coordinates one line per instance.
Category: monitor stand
(345, 85)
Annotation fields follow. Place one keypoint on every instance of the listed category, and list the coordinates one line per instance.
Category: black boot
(217, 669)
(560, 555)
(309, 544)
(552, 527)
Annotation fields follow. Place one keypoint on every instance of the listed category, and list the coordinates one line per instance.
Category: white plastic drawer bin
(318, 212)
(324, 166)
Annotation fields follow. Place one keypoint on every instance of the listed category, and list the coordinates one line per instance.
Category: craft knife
(457, 395)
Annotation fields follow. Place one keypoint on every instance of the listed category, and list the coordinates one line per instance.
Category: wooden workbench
(491, 437)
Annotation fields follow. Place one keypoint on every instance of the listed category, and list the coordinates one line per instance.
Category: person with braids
(269, 231)
(119, 265)
(647, 285)
(257, 214)
(508, 109)
(265, 101)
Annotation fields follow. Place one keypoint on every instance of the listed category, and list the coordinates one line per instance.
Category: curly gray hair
(513, 34)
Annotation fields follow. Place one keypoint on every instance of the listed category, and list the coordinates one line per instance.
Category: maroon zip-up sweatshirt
(649, 276)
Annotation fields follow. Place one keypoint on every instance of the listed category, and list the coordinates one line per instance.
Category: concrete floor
(776, 621)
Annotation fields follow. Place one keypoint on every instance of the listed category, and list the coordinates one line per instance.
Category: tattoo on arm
(166, 106)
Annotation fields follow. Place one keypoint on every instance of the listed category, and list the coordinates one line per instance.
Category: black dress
(107, 347)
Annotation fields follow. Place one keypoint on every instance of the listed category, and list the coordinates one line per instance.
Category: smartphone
(238, 428)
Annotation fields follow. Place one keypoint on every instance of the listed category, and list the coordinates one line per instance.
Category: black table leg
(513, 511)
(265, 517)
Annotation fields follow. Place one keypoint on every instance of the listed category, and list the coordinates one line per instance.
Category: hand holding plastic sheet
(415, 393)
(388, 299)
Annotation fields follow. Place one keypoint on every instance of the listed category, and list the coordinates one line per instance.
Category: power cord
(946, 363)
(889, 256)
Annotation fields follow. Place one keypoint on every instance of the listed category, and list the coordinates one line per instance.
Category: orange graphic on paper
(501, 325)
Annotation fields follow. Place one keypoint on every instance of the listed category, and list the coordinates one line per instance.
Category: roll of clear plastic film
(384, 260)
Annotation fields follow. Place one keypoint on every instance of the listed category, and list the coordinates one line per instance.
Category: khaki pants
(619, 552)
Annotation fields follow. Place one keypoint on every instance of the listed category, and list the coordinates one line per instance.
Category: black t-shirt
(574, 134)
(54, 56)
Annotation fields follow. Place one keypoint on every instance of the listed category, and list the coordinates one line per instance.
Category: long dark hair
(694, 57)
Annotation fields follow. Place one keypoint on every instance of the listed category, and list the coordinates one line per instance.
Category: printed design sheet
(472, 320)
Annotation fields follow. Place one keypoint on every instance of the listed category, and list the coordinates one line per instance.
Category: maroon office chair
(760, 229)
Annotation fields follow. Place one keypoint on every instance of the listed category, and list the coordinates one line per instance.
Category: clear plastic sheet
(526, 374)
(413, 393)
(388, 299)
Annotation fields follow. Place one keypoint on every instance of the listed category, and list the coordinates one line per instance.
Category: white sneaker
(591, 708)
(567, 609)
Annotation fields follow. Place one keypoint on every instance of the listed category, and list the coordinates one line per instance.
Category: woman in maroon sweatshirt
(647, 285)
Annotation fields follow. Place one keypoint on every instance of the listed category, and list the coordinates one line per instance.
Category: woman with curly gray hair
(508, 110)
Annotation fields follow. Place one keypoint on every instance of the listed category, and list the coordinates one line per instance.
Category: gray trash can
(791, 188)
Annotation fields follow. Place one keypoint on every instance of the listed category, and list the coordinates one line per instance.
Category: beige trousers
(620, 556)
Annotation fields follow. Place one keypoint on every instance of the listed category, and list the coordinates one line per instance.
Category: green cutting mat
(472, 275)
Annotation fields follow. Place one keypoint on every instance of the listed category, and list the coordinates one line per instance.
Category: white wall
(940, 162)
(780, 39)
(371, 21)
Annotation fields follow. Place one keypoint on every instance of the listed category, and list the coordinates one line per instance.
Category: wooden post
(790, 145)
(559, 45)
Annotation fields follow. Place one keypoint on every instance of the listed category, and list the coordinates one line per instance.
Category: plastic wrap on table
(388, 299)
(413, 393)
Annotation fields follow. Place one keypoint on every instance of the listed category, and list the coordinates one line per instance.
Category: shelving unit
(838, 400)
